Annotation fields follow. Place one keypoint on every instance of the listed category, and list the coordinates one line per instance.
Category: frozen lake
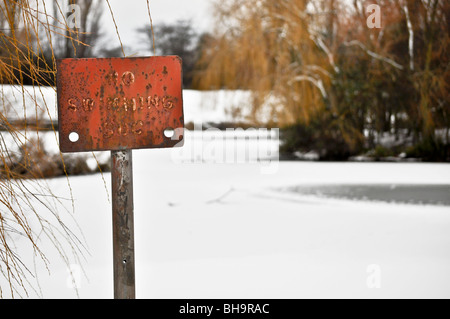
(390, 193)
(211, 221)
(307, 229)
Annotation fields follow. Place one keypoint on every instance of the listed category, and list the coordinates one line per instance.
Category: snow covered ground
(229, 231)
(212, 228)
(199, 106)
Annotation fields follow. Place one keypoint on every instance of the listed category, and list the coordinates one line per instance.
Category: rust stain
(119, 103)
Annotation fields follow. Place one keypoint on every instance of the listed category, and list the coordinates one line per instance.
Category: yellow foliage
(268, 47)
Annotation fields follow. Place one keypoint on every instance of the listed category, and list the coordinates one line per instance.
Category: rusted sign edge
(177, 140)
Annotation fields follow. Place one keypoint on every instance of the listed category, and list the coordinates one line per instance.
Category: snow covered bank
(199, 106)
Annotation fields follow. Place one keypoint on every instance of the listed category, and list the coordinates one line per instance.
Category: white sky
(133, 14)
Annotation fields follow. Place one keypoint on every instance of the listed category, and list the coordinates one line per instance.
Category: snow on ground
(208, 230)
(209, 226)
(199, 106)
(28, 102)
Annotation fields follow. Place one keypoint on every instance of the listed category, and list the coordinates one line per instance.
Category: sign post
(120, 104)
(123, 224)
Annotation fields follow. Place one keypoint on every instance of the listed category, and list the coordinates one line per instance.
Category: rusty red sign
(119, 103)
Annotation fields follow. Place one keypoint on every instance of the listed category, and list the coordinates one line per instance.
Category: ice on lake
(391, 193)
(210, 230)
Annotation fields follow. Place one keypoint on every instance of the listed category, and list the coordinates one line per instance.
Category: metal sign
(120, 103)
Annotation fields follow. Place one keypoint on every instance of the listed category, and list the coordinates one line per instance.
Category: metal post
(123, 224)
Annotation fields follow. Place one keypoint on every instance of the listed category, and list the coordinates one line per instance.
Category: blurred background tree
(61, 40)
(178, 38)
(78, 41)
(316, 67)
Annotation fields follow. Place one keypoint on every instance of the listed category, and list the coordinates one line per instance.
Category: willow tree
(267, 47)
(286, 53)
(428, 28)
(30, 212)
(322, 59)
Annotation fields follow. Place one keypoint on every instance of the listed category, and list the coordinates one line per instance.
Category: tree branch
(373, 54)
(411, 37)
(317, 83)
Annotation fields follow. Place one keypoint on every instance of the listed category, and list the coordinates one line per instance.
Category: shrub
(324, 137)
(381, 151)
(430, 150)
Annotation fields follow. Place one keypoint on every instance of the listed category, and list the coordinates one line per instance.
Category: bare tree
(176, 39)
(80, 39)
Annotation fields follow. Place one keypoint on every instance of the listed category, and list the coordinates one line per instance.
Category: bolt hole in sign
(120, 103)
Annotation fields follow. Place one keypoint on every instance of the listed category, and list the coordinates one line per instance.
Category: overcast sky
(133, 14)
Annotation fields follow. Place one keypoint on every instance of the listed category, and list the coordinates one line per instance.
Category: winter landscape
(211, 228)
(315, 161)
